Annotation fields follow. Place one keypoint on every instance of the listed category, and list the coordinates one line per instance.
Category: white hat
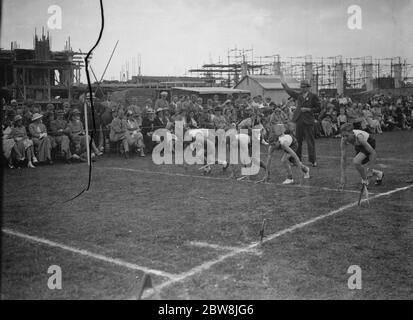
(37, 116)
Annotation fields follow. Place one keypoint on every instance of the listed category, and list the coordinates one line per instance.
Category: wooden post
(87, 131)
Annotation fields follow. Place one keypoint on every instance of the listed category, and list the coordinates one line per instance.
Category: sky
(173, 36)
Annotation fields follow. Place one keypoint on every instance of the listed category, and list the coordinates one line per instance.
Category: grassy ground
(147, 215)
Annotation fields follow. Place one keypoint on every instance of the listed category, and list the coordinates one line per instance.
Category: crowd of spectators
(379, 113)
(32, 134)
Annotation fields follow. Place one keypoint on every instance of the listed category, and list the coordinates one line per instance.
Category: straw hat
(17, 118)
(37, 116)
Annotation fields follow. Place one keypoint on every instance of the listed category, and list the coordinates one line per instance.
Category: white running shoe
(288, 181)
(307, 174)
(35, 160)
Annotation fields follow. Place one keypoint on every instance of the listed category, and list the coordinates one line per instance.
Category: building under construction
(39, 73)
(331, 74)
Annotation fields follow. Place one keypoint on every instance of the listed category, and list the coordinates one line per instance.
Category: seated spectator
(159, 119)
(148, 128)
(205, 119)
(162, 103)
(361, 120)
(220, 122)
(351, 113)
(119, 132)
(41, 141)
(24, 146)
(341, 118)
(134, 135)
(190, 120)
(79, 138)
(59, 134)
(9, 144)
(173, 106)
(372, 123)
(278, 117)
(327, 120)
(168, 119)
(134, 106)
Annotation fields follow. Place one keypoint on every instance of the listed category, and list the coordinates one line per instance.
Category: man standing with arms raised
(307, 104)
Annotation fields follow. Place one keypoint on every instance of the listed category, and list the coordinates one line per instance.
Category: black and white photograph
(230, 151)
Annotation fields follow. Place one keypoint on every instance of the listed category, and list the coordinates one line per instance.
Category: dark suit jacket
(158, 123)
(311, 101)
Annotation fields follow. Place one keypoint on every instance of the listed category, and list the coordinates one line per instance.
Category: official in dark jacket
(307, 103)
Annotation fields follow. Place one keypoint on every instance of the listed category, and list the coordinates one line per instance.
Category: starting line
(227, 179)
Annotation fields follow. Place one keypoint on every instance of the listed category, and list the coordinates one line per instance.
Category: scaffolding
(324, 73)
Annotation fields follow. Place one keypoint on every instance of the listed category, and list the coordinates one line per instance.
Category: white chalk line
(377, 160)
(202, 244)
(208, 264)
(228, 179)
(89, 254)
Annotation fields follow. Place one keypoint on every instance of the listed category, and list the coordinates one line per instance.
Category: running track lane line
(89, 254)
(207, 265)
(227, 179)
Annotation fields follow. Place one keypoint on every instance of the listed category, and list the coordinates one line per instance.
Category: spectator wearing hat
(119, 131)
(148, 105)
(159, 119)
(24, 146)
(134, 136)
(307, 104)
(42, 142)
(148, 128)
(162, 102)
(78, 137)
(59, 133)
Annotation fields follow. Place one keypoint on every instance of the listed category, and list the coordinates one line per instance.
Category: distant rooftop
(272, 82)
(211, 90)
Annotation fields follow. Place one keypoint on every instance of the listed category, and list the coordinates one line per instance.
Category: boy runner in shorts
(286, 141)
(365, 146)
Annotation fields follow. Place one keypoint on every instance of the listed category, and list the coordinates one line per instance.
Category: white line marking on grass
(377, 160)
(202, 244)
(89, 254)
(208, 264)
(227, 179)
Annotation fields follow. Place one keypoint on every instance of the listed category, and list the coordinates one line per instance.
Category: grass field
(198, 236)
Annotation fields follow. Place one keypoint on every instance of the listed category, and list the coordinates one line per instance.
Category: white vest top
(363, 133)
(285, 139)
